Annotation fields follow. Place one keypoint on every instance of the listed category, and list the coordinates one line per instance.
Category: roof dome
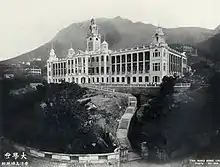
(104, 42)
(71, 52)
(159, 31)
(52, 52)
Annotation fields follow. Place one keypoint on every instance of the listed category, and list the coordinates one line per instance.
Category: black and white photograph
(110, 83)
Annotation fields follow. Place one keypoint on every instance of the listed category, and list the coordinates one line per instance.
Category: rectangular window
(147, 55)
(84, 60)
(97, 79)
(134, 67)
(123, 67)
(129, 67)
(93, 70)
(97, 70)
(102, 70)
(164, 66)
(123, 58)
(102, 58)
(134, 57)
(107, 70)
(106, 58)
(102, 79)
(140, 54)
(113, 59)
(93, 59)
(147, 67)
(113, 68)
(156, 66)
(140, 67)
(113, 79)
(128, 57)
(118, 68)
(118, 59)
(97, 59)
(140, 79)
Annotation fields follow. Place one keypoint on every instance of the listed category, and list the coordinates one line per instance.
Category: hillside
(210, 48)
(217, 29)
(118, 32)
(63, 118)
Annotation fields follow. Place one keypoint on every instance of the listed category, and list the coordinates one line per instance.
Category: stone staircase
(124, 124)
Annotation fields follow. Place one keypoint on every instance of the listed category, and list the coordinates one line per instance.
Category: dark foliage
(159, 105)
(52, 119)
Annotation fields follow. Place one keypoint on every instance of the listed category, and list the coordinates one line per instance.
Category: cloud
(26, 24)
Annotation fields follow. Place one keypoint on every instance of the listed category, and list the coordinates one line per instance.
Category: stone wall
(104, 159)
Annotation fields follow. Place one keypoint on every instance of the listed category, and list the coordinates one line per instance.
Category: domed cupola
(71, 52)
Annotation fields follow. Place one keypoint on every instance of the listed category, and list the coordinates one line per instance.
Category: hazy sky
(27, 24)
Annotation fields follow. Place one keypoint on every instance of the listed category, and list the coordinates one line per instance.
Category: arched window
(134, 79)
(157, 53)
(146, 79)
(157, 38)
(117, 79)
(113, 79)
(140, 79)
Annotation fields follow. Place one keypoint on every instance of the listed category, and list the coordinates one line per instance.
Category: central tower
(93, 38)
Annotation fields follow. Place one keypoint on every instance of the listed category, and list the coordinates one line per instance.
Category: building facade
(98, 64)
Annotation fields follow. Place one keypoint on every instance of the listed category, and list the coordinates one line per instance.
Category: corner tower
(158, 38)
(94, 38)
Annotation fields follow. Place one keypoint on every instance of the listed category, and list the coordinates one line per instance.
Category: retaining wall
(124, 124)
(104, 159)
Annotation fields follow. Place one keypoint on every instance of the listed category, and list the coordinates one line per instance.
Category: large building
(97, 64)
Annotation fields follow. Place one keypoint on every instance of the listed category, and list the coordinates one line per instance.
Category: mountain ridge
(210, 48)
(118, 32)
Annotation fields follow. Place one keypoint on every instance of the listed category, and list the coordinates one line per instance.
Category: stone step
(124, 142)
(132, 156)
